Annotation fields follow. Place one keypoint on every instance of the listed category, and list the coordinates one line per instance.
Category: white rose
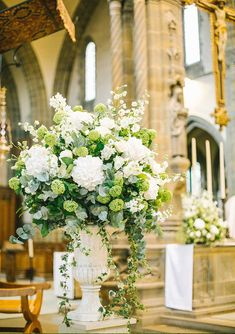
(223, 223)
(103, 131)
(152, 192)
(107, 152)
(198, 234)
(199, 224)
(88, 172)
(135, 128)
(208, 236)
(214, 230)
(191, 234)
(125, 122)
(37, 162)
(78, 119)
(133, 149)
(66, 154)
(204, 232)
(107, 122)
(118, 162)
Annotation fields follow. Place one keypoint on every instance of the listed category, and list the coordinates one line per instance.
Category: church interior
(181, 53)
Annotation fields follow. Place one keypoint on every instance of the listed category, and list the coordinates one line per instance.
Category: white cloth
(179, 277)
(230, 216)
(58, 290)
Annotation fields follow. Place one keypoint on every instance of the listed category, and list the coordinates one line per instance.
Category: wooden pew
(29, 308)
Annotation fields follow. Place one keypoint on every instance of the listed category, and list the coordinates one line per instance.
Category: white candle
(30, 248)
(194, 163)
(208, 168)
(194, 152)
(222, 172)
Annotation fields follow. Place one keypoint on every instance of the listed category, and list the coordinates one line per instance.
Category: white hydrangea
(152, 192)
(58, 102)
(78, 119)
(214, 230)
(133, 149)
(199, 224)
(88, 172)
(132, 168)
(37, 162)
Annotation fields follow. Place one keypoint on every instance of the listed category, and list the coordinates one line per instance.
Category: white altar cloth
(179, 277)
(230, 216)
(57, 262)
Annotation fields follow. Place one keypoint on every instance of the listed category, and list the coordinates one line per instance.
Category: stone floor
(220, 323)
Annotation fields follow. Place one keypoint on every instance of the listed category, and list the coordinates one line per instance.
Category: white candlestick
(222, 172)
(30, 248)
(208, 168)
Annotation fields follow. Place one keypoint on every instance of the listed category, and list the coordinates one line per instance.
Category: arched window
(90, 72)
(191, 35)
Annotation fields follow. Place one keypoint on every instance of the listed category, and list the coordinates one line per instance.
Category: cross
(219, 15)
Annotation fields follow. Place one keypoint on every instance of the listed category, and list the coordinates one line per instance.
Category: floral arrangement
(202, 222)
(94, 168)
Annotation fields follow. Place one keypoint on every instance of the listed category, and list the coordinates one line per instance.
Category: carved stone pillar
(165, 86)
(128, 66)
(140, 52)
(115, 10)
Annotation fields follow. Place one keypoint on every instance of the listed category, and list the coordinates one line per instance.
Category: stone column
(128, 65)
(115, 10)
(230, 101)
(165, 86)
(140, 53)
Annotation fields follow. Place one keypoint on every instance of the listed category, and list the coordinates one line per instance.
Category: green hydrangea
(115, 191)
(103, 199)
(100, 108)
(144, 136)
(78, 108)
(116, 205)
(19, 164)
(143, 185)
(152, 134)
(94, 135)
(70, 206)
(59, 116)
(41, 132)
(118, 180)
(145, 203)
(14, 183)
(165, 195)
(50, 139)
(81, 151)
(124, 132)
(57, 186)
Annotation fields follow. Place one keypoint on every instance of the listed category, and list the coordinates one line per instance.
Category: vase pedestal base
(115, 325)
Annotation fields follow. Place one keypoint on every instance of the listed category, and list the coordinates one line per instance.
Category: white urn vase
(88, 271)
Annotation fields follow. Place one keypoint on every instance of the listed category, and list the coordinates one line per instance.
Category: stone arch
(13, 107)
(202, 130)
(70, 50)
(34, 80)
(201, 123)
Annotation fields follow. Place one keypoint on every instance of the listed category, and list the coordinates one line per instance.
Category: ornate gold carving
(4, 145)
(68, 24)
(219, 15)
(32, 19)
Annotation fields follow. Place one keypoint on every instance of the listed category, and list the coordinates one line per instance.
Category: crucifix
(219, 15)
